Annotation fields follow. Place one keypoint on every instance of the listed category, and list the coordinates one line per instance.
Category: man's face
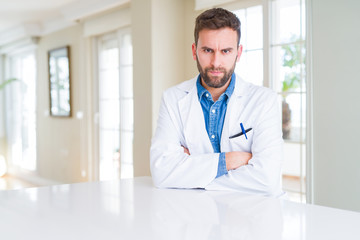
(216, 55)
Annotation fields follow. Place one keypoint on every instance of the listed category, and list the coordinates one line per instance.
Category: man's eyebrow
(228, 49)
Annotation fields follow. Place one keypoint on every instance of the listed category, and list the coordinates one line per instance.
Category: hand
(186, 150)
(235, 160)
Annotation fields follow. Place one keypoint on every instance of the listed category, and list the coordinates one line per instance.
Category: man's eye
(226, 51)
(208, 50)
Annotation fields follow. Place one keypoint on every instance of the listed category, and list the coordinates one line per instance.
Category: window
(289, 80)
(21, 111)
(250, 66)
(115, 100)
(284, 71)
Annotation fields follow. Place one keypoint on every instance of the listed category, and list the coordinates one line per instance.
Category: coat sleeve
(170, 166)
(262, 175)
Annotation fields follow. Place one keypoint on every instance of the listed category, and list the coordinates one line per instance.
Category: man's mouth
(215, 72)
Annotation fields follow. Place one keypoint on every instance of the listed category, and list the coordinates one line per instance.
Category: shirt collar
(200, 89)
(228, 92)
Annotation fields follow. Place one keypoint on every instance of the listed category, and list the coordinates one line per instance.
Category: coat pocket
(242, 144)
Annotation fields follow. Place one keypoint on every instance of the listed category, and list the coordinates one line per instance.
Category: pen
(239, 134)
(243, 130)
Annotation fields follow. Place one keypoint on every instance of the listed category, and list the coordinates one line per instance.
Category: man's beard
(215, 82)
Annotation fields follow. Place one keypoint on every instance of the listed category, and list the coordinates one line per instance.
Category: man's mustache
(215, 69)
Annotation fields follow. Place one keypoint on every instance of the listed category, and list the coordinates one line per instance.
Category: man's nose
(216, 60)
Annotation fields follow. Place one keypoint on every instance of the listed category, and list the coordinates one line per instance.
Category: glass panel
(109, 109)
(126, 56)
(125, 49)
(294, 153)
(250, 67)
(288, 68)
(303, 168)
(294, 170)
(292, 111)
(126, 146)
(241, 14)
(288, 78)
(116, 105)
(286, 16)
(109, 114)
(254, 27)
(126, 78)
(292, 164)
(109, 143)
(127, 113)
(109, 154)
(109, 54)
(126, 154)
(303, 20)
(21, 123)
(251, 27)
(109, 84)
(303, 68)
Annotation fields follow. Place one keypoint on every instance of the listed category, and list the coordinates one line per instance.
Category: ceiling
(20, 18)
(15, 13)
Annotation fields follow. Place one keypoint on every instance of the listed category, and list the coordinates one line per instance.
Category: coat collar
(241, 87)
(193, 119)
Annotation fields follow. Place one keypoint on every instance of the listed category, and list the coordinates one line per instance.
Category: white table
(134, 209)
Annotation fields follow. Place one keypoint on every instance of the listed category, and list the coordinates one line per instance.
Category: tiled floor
(10, 183)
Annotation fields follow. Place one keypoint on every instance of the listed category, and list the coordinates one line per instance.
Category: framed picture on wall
(59, 82)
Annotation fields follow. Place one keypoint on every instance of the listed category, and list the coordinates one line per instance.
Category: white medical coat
(181, 123)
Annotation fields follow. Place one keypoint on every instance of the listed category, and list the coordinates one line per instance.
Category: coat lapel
(192, 118)
(233, 114)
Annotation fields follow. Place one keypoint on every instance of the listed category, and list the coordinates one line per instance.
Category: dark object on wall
(59, 82)
(286, 120)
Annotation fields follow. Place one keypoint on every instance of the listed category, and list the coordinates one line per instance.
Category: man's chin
(215, 82)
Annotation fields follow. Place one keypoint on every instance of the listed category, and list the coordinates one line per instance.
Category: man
(216, 131)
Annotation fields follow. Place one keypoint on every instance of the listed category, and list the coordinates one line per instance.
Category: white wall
(60, 151)
(158, 43)
(168, 38)
(336, 113)
(142, 75)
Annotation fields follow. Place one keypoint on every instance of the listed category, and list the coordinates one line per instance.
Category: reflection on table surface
(134, 209)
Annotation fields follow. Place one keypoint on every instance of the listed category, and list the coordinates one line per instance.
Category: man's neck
(215, 92)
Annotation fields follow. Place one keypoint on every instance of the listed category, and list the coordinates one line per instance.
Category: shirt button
(213, 111)
(207, 95)
(213, 136)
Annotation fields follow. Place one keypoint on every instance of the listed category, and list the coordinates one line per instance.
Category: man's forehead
(223, 35)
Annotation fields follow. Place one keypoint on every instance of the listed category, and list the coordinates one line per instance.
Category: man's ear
(194, 51)
(239, 52)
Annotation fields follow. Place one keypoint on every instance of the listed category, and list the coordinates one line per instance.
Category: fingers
(186, 150)
(235, 160)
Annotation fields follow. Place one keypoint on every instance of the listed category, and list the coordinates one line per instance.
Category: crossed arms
(174, 165)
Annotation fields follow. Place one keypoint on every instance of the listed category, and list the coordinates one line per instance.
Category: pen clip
(243, 130)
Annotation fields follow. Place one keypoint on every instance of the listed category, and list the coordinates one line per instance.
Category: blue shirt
(214, 116)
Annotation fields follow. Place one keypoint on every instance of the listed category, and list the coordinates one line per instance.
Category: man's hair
(217, 18)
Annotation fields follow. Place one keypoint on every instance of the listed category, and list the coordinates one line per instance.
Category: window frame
(115, 35)
(268, 29)
(7, 58)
